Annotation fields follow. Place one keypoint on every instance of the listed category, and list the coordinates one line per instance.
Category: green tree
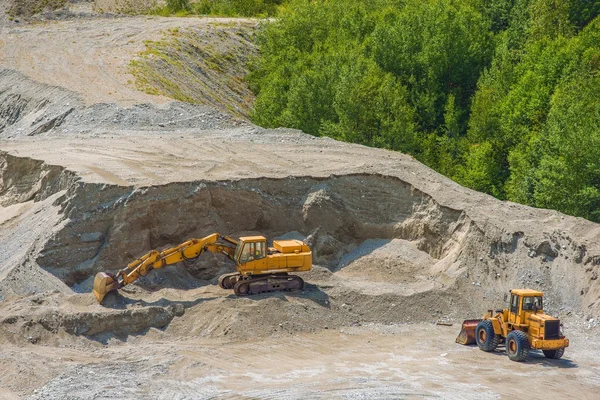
(550, 19)
(568, 176)
(374, 72)
(582, 12)
(481, 169)
(437, 48)
(178, 5)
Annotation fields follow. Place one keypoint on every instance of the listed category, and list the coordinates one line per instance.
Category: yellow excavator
(259, 268)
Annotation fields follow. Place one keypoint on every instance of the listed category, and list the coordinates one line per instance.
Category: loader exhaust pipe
(467, 332)
(103, 284)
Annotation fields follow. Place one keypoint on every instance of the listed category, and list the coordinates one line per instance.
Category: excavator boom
(187, 251)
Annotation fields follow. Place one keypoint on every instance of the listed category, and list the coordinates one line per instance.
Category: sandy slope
(86, 185)
(89, 57)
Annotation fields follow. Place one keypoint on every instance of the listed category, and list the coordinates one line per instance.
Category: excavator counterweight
(259, 268)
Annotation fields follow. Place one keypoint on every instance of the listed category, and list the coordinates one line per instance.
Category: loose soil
(94, 173)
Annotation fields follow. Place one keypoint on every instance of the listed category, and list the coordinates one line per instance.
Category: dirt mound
(92, 57)
(48, 317)
(201, 65)
(381, 260)
(31, 109)
(27, 8)
(390, 244)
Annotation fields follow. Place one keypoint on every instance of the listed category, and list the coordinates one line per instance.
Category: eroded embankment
(387, 253)
(338, 212)
(30, 194)
(29, 108)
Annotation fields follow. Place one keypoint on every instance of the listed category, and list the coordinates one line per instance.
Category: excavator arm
(187, 251)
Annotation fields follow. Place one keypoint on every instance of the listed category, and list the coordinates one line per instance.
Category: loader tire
(517, 346)
(555, 354)
(486, 338)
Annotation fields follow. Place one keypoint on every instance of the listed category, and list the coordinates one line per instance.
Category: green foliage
(512, 104)
(581, 12)
(501, 95)
(437, 48)
(242, 7)
(371, 107)
(497, 11)
(393, 74)
(233, 8)
(550, 18)
(568, 174)
(481, 169)
(175, 6)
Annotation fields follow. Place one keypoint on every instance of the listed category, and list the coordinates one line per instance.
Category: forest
(500, 95)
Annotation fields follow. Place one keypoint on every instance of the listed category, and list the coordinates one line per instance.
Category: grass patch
(200, 66)
(221, 8)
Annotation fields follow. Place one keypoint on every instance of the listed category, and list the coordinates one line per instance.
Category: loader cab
(522, 303)
(250, 248)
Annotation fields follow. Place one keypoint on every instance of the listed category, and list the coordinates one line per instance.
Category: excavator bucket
(467, 332)
(104, 283)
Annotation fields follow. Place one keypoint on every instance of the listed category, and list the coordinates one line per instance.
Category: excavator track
(256, 284)
(228, 281)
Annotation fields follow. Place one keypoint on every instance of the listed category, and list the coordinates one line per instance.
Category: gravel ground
(94, 173)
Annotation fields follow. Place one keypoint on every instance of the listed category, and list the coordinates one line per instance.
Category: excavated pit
(339, 213)
(384, 252)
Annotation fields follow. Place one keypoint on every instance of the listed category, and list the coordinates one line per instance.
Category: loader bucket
(467, 332)
(104, 283)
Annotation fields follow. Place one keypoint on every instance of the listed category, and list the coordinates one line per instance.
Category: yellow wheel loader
(522, 327)
(259, 268)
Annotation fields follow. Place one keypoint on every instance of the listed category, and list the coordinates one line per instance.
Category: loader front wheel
(556, 354)
(486, 338)
(517, 346)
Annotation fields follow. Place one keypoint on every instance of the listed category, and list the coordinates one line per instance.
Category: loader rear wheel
(517, 346)
(556, 354)
(486, 338)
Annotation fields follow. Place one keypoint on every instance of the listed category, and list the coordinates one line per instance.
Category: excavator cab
(250, 248)
(251, 254)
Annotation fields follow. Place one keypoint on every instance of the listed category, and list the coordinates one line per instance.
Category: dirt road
(374, 362)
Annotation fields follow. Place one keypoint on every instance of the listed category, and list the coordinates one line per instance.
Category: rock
(547, 249)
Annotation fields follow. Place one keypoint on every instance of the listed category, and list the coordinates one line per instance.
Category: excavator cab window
(260, 251)
(253, 251)
(238, 251)
(247, 253)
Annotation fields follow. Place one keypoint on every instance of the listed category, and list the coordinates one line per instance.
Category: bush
(175, 6)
